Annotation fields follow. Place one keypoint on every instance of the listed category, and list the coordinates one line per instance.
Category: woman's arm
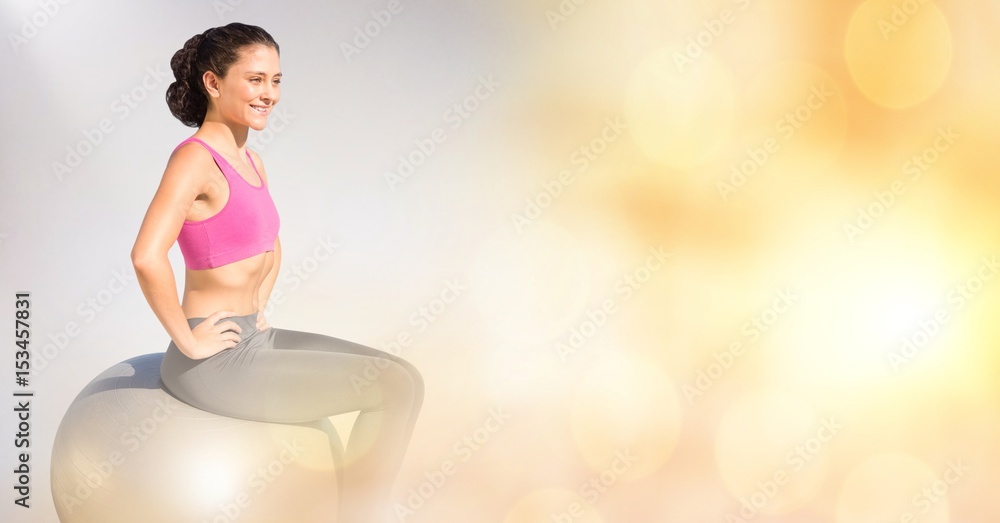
(178, 189)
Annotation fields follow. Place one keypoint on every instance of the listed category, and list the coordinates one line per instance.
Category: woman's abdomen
(233, 287)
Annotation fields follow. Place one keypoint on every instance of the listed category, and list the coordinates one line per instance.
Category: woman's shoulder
(189, 144)
(189, 161)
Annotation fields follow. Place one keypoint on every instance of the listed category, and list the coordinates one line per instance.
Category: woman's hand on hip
(262, 324)
(211, 338)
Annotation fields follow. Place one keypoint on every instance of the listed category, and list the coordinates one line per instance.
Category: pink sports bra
(246, 226)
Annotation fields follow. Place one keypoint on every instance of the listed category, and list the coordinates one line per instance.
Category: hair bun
(184, 96)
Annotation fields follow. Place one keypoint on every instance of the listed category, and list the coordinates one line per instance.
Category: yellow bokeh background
(822, 175)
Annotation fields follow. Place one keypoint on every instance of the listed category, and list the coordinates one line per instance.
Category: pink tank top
(246, 226)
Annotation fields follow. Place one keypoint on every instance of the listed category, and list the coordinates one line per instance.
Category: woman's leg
(280, 375)
(388, 391)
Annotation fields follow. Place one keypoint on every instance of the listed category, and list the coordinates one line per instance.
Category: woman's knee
(401, 379)
(418, 384)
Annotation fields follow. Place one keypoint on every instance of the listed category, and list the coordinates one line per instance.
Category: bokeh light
(680, 109)
(893, 487)
(552, 286)
(796, 114)
(772, 451)
(626, 409)
(899, 52)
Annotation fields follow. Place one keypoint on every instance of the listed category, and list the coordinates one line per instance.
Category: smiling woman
(224, 357)
(205, 62)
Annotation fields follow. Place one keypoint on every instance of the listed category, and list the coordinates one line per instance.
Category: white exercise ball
(127, 451)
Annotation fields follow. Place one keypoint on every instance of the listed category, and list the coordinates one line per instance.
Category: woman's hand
(211, 338)
(262, 324)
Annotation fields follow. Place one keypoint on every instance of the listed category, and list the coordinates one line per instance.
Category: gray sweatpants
(287, 376)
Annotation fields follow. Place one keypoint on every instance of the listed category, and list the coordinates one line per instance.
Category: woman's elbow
(143, 259)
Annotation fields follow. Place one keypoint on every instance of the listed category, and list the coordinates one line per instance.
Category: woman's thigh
(292, 376)
(310, 341)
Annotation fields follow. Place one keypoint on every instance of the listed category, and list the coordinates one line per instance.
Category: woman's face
(248, 92)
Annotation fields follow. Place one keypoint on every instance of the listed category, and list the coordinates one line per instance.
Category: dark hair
(216, 50)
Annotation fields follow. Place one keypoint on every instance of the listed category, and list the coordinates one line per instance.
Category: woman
(223, 357)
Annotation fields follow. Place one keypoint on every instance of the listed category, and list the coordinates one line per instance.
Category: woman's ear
(211, 83)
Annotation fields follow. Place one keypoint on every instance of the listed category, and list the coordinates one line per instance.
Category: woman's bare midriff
(233, 287)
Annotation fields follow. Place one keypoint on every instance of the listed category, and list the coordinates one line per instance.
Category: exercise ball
(127, 451)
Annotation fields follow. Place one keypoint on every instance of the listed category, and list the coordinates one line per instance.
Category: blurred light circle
(899, 52)
(794, 114)
(772, 452)
(887, 487)
(680, 109)
(530, 286)
(626, 417)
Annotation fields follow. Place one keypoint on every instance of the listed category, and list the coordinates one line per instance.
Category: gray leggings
(286, 376)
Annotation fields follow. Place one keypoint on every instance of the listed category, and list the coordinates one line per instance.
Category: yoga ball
(127, 451)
